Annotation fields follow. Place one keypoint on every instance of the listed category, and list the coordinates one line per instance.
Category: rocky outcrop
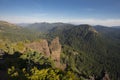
(40, 46)
(55, 49)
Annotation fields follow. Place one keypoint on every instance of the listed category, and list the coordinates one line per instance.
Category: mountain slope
(45, 27)
(13, 32)
(109, 32)
(99, 52)
(87, 51)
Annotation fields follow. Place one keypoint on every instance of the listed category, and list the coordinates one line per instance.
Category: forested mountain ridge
(12, 32)
(109, 32)
(45, 27)
(101, 50)
(6, 24)
(75, 52)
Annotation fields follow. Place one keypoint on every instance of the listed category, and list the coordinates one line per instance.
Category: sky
(94, 12)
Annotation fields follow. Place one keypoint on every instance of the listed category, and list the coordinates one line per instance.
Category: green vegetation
(33, 66)
(87, 52)
(95, 52)
(11, 32)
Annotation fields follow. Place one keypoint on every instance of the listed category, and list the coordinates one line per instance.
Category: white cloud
(106, 22)
(44, 18)
(24, 18)
(21, 19)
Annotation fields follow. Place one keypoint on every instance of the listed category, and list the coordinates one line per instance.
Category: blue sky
(104, 12)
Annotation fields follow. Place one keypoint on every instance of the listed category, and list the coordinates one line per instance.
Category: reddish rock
(40, 46)
(55, 49)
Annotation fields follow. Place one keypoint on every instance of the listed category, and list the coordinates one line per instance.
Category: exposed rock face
(40, 46)
(55, 49)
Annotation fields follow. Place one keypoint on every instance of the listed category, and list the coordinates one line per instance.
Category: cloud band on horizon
(23, 19)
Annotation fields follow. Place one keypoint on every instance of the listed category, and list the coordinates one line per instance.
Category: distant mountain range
(44, 27)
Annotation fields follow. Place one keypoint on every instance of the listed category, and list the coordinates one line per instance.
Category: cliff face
(55, 49)
(40, 46)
